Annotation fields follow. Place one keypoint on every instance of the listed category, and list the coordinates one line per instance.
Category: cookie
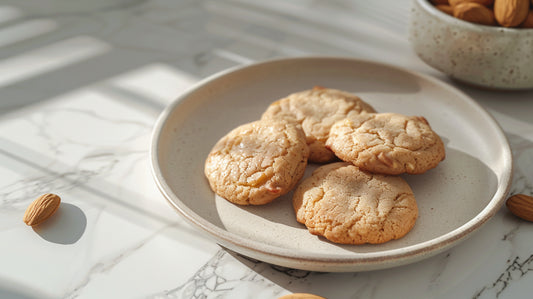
(387, 143)
(316, 110)
(349, 206)
(257, 162)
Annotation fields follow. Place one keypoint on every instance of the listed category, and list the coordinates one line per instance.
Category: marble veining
(517, 269)
(213, 278)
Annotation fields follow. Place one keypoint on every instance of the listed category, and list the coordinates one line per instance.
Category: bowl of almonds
(487, 43)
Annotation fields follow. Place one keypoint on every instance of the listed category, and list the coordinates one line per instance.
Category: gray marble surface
(81, 85)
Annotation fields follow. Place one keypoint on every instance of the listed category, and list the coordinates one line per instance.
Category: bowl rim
(431, 9)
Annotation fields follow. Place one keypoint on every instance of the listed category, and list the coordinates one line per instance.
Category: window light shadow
(25, 30)
(9, 13)
(50, 57)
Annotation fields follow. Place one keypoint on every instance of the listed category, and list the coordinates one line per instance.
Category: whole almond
(511, 13)
(447, 9)
(528, 23)
(521, 205)
(474, 13)
(442, 2)
(41, 209)
(482, 2)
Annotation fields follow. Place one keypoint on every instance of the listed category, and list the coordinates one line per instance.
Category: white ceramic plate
(454, 199)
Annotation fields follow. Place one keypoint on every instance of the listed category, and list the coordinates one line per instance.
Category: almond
(528, 23)
(474, 13)
(511, 13)
(442, 2)
(521, 205)
(482, 2)
(447, 9)
(41, 209)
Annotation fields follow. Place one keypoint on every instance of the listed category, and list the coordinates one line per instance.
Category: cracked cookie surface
(349, 206)
(316, 110)
(387, 143)
(257, 162)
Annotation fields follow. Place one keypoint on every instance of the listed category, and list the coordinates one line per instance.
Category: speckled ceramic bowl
(493, 57)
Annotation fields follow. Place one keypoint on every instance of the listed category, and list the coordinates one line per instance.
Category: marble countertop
(81, 86)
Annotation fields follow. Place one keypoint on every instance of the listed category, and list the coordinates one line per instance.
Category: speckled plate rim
(338, 262)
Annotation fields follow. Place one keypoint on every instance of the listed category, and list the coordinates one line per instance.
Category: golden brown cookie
(257, 162)
(316, 110)
(387, 143)
(350, 206)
